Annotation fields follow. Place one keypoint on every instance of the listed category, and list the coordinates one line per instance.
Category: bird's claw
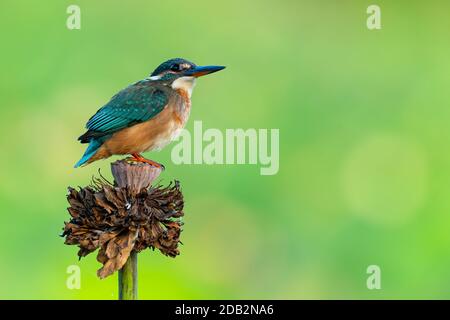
(139, 158)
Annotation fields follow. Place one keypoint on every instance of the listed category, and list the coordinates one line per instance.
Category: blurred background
(364, 134)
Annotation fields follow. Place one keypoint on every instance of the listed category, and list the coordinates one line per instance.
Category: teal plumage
(90, 151)
(134, 104)
(146, 115)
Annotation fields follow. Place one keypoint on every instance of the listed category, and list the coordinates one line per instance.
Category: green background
(364, 158)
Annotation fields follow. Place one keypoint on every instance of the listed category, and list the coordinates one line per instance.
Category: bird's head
(181, 73)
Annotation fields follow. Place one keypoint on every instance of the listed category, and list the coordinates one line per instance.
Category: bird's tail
(90, 151)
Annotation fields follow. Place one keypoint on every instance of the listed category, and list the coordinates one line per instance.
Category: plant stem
(134, 177)
(128, 278)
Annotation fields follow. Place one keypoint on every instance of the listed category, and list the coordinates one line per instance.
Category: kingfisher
(144, 116)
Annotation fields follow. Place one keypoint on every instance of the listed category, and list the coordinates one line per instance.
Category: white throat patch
(184, 83)
(154, 78)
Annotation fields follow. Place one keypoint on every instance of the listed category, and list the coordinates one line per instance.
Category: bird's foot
(139, 158)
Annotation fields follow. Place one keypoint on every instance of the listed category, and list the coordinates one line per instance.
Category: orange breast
(153, 134)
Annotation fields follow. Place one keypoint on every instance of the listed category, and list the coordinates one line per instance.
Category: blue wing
(135, 104)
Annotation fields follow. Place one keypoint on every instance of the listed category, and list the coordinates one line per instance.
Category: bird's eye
(175, 67)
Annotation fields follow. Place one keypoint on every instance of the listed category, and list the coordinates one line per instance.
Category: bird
(145, 116)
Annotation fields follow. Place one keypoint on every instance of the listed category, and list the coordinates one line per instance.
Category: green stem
(128, 278)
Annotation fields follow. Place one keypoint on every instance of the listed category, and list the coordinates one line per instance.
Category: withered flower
(121, 219)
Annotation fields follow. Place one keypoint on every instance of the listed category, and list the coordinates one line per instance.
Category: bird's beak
(202, 71)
